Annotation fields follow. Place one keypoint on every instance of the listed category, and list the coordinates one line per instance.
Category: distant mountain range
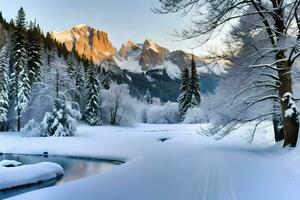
(142, 66)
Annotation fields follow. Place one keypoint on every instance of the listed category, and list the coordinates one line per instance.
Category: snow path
(187, 167)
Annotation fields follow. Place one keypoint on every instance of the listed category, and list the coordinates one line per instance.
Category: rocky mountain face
(94, 43)
(183, 59)
(152, 55)
(87, 41)
(142, 66)
(131, 49)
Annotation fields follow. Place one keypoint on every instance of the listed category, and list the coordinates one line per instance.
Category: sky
(122, 20)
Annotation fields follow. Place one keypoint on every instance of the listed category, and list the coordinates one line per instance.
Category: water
(74, 168)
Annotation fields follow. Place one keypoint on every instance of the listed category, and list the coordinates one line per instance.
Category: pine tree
(20, 81)
(72, 63)
(92, 106)
(34, 54)
(194, 85)
(62, 121)
(4, 81)
(185, 95)
(80, 84)
(190, 90)
(79, 76)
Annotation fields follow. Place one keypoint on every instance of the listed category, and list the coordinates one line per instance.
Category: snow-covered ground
(28, 174)
(188, 166)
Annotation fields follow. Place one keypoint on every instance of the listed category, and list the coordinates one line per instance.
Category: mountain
(183, 59)
(87, 41)
(131, 49)
(142, 66)
(152, 55)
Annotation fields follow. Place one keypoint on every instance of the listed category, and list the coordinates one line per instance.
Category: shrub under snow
(118, 107)
(196, 115)
(165, 114)
(32, 128)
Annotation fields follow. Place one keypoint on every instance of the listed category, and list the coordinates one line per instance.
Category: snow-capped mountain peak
(149, 44)
(79, 26)
(132, 56)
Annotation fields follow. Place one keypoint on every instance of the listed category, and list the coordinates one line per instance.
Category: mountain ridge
(136, 57)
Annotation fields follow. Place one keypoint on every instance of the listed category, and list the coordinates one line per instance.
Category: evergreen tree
(72, 63)
(62, 121)
(92, 107)
(194, 85)
(190, 90)
(79, 76)
(80, 84)
(185, 96)
(20, 82)
(4, 81)
(23, 92)
(34, 54)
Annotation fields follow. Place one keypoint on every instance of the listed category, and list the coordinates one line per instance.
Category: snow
(172, 70)
(152, 45)
(62, 36)
(80, 26)
(131, 64)
(9, 163)
(292, 109)
(28, 174)
(289, 112)
(187, 166)
(216, 68)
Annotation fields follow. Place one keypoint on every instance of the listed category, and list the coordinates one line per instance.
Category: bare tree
(279, 20)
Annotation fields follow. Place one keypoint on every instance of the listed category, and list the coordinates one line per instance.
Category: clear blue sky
(122, 19)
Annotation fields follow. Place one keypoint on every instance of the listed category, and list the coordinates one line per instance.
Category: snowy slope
(186, 167)
(130, 64)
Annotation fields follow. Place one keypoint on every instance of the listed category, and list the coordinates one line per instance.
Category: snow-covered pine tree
(79, 76)
(92, 113)
(20, 82)
(34, 49)
(4, 81)
(80, 84)
(147, 97)
(62, 121)
(72, 63)
(194, 85)
(185, 96)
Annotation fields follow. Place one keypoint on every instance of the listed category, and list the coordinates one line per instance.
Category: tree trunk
(278, 128)
(277, 121)
(19, 121)
(290, 126)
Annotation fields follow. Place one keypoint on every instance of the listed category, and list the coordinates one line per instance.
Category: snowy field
(188, 166)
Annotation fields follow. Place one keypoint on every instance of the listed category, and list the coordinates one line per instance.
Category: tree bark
(19, 121)
(290, 126)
